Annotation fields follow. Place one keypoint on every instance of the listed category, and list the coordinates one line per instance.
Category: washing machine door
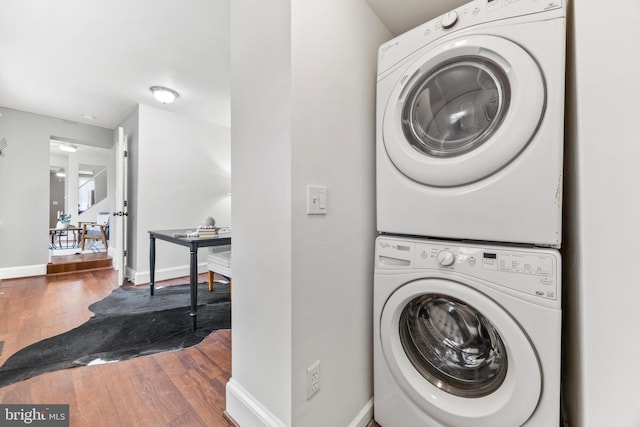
(463, 110)
(461, 357)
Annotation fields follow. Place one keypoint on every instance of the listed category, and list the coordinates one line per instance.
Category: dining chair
(98, 230)
(219, 261)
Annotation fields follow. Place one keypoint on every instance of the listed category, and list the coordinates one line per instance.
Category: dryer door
(463, 111)
(459, 355)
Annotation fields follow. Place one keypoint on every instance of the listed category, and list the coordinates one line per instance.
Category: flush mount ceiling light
(164, 94)
(69, 148)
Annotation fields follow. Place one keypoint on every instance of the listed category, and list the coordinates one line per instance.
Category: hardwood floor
(179, 388)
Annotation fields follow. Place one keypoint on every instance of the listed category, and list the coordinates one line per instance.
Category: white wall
(24, 186)
(302, 284)
(334, 54)
(261, 224)
(182, 176)
(602, 213)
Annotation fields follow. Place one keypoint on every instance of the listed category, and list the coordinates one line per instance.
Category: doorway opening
(79, 191)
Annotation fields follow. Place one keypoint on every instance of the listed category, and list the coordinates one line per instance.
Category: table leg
(152, 263)
(59, 233)
(193, 283)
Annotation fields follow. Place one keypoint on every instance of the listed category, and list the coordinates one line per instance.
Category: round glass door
(456, 108)
(463, 110)
(459, 355)
(453, 346)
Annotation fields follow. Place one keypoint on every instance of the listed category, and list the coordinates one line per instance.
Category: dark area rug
(128, 323)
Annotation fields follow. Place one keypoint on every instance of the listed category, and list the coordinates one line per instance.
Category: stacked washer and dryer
(467, 283)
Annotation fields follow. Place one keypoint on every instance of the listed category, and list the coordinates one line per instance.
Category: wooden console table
(193, 243)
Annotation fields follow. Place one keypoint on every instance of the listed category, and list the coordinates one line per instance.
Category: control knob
(449, 20)
(446, 258)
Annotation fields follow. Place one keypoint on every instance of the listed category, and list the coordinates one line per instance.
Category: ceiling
(93, 61)
(59, 158)
(78, 59)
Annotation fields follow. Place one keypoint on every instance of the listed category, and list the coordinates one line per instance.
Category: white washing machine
(466, 335)
(470, 124)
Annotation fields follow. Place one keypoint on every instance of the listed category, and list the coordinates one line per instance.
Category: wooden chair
(97, 230)
(219, 261)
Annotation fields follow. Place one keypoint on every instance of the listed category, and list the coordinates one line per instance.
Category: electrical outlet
(313, 379)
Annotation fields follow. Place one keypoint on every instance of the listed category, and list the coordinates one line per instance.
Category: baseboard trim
(245, 410)
(142, 277)
(23, 271)
(365, 415)
(113, 253)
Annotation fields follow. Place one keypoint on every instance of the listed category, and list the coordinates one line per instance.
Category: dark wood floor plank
(93, 401)
(127, 394)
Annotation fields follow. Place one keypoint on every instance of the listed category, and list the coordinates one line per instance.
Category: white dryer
(466, 335)
(470, 124)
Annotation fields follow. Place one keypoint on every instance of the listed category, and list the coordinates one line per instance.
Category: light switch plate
(316, 200)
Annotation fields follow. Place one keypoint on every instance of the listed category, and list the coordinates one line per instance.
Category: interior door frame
(121, 213)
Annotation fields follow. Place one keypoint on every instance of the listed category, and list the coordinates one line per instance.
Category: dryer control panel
(469, 15)
(534, 271)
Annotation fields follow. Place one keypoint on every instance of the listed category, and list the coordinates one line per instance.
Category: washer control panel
(534, 271)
